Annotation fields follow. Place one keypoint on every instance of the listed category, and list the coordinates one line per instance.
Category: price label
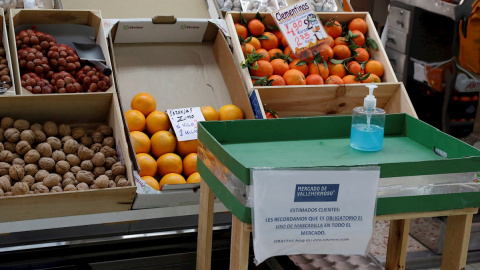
(184, 122)
(301, 27)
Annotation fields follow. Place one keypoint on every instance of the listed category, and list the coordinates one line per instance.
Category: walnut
(15, 155)
(109, 141)
(1, 192)
(85, 177)
(28, 136)
(5, 184)
(6, 156)
(111, 184)
(31, 169)
(84, 153)
(69, 175)
(44, 149)
(40, 175)
(46, 163)
(10, 146)
(50, 128)
(18, 161)
(109, 161)
(58, 155)
(41, 189)
(28, 179)
(82, 186)
(75, 170)
(96, 147)
(1, 147)
(51, 180)
(40, 137)
(2, 135)
(66, 138)
(21, 125)
(70, 187)
(31, 156)
(56, 189)
(123, 182)
(36, 126)
(106, 130)
(20, 188)
(97, 137)
(119, 177)
(4, 166)
(102, 181)
(8, 194)
(73, 160)
(108, 151)
(94, 187)
(68, 181)
(86, 165)
(86, 141)
(55, 143)
(97, 171)
(64, 130)
(110, 175)
(62, 167)
(22, 147)
(70, 147)
(6, 122)
(12, 135)
(78, 133)
(16, 172)
(98, 159)
(35, 185)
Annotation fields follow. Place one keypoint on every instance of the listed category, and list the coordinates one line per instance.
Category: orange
(272, 52)
(186, 147)
(374, 67)
(318, 69)
(330, 41)
(264, 69)
(140, 142)
(358, 24)
(190, 164)
(157, 121)
(151, 182)
(264, 54)
(247, 48)
(288, 52)
(279, 35)
(277, 80)
(337, 69)
(284, 42)
(271, 41)
(294, 77)
(334, 79)
(230, 112)
(372, 79)
(255, 43)
(360, 39)
(349, 79)
(144, 103)
(148, 165)
(169, 163)
(172, 179)
(255, 27)
(163, 142)
(326, 53)
(341, 41)
(354, 68)
(333, 29)
(341, 52)
(279, 66)
(135, 120)
(209, 113)
(362, 55)
(302, 67)
(194, 178)
(241, 30)
(314, 79)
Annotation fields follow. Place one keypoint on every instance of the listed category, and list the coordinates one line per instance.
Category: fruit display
(162, 158)
(47, 158)
(57, 67)
(344, 57)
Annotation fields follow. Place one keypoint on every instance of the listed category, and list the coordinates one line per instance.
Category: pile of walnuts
(5, 80)
(56, 158)
(39, 54)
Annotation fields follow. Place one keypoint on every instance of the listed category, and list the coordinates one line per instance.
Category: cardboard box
(51, 16)
(77, 110)
(3, 27)
(181, 63)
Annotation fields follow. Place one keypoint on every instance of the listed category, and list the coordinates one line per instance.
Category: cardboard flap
(148, 31)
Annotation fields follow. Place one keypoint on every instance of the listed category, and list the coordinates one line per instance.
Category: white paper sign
(325, 211)
(184, 122)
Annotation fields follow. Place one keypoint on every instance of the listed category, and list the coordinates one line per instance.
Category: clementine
(230, 112)
(194, 178)
(172, 179)
(264, 69)
(334, 79)
(157, 121)
(189, 164)
(143, 102)
(279, 66)
(358, 24)
(169, 163)
(209, 113)
(186, 147)
(255, 27)
(294, 77)
(151, 182)
(140, 142)
(269, 41)
(135, 120)
(318, 69)
(241, 30)
(314, 79)
(302, 66)
(277, 80)
(163, 142)
(148, 165)
(374, 67)
(341, 52)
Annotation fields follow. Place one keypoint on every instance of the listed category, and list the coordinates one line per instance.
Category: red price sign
(301, 27)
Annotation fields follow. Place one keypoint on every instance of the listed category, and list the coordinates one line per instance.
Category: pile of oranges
(344, 57)
(159, 153)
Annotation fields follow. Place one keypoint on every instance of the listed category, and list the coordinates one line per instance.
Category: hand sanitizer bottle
(368, 124)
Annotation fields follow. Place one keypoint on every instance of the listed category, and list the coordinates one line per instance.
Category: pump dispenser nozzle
(370, 102)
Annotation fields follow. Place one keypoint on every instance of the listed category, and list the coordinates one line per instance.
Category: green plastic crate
(230, 149)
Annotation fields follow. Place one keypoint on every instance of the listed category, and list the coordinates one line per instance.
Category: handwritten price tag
(184, 122)
(299, 24)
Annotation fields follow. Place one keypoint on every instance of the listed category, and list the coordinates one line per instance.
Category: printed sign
(301, 27)
(324, 211)
(184, 122)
